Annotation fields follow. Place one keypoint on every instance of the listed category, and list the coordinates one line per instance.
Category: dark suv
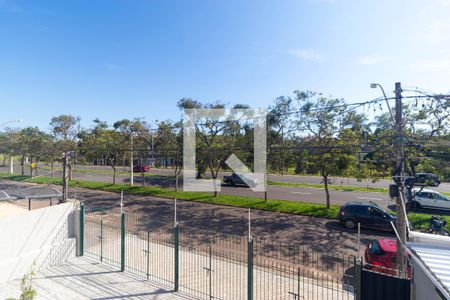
(369, 215)
(423, 179)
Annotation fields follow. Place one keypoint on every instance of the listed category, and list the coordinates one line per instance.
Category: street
(308, 179)
(311, 195)
(301, 194)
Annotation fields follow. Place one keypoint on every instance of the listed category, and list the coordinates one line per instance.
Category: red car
(141, 168)
(381, 255)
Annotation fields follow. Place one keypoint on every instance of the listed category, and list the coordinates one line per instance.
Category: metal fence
(208, 265)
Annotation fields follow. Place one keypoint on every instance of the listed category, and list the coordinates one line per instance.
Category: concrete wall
(36, 239)
(421, 285)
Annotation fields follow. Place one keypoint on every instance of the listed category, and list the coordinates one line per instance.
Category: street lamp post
(11, 160)
(398, 175)
(374, 86)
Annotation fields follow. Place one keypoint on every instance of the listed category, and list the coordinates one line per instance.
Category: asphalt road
(318, 234)
(382, 183)
(311, 195)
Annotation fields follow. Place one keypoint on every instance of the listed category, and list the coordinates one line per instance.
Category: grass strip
(282, 206)
(348, 188)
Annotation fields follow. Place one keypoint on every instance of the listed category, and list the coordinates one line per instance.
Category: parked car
(237, 179)
(141, 168)
(426, 198)
(423, 179)
(380, 255)
(369, 215)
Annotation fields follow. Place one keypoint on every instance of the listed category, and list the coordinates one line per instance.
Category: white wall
(40, 237)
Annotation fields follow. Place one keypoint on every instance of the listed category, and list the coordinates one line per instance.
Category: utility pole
(65, 178)
(399, 178)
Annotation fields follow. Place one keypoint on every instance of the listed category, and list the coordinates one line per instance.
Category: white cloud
(373, 59)
(437, 32)
(444, 2)
(307, 55)
(441, 65)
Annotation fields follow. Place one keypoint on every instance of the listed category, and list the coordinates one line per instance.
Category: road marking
(301, 193)
(368, 198)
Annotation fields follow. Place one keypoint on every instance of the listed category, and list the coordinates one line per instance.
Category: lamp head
(373, 85)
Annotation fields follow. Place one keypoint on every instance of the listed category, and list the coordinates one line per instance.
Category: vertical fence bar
(210, 274)
(250, 270)
(122, 242)
(148, 254)
(357, 278)
(101, 240)
(81, 229)
(176, 258)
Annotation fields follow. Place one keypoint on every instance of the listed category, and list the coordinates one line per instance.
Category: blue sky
(134, 58)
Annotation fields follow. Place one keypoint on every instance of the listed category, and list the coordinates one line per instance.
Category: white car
(429, 199)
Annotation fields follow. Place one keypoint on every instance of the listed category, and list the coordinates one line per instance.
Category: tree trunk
(52, 169)
(216, 192)
(31, 167)
(176, 183)
(327, 192)
(22, 163)
(114, 174)
(70, 171)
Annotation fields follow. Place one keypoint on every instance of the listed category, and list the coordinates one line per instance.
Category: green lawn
(347, 188)
(419, 220)
(330, 186)
(275, 205)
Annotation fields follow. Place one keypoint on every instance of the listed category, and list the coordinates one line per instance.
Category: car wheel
(416, 205)
(350, 224)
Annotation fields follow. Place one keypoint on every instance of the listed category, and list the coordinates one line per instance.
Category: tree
(65, 129)
(169, 143)
(101, 141)
(129, 130)
(214, 135)
(324, 123)
(32, 144)
(279, 125)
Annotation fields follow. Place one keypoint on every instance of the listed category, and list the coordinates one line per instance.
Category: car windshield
(375, 248)
(376, 212)
(439, 197)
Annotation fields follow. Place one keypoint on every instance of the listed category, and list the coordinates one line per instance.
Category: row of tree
(307, 133)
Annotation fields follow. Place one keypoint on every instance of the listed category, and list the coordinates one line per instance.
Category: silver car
(427, 198)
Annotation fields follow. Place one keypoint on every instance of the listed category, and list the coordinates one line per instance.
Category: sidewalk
(82, 278)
